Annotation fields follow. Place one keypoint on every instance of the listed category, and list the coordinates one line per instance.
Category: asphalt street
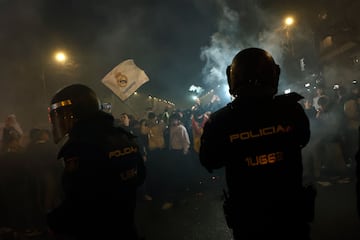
(199, 216)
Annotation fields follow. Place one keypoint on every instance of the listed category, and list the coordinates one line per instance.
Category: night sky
(177, 43)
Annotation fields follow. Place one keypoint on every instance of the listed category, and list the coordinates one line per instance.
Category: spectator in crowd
(351, 123)
(124, 122)
(197, 125)
(140, 131)
(177, 163)
(14, 179)
(320, 92)
(309, 108)
(329, 134)
(311, 161)
(154, 128)
(214, 104)
(165, 116)
(44, 178)
(12, 135)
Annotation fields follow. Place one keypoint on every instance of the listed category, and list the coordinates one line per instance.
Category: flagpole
(129, 105)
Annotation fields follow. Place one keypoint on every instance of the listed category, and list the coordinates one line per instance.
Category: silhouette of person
(103, 169)
(258, 139)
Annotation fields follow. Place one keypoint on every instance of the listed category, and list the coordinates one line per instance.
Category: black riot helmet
(69, 105)
(253, 72)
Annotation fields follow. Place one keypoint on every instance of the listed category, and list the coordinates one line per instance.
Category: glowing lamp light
(289, 21)
(60, 57)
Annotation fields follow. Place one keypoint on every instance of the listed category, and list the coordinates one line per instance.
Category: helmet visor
(62, 120)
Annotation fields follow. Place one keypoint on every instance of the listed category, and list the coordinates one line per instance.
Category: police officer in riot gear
(258, 138)
(102, 169)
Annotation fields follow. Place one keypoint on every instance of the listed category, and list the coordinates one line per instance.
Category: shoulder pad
(292, 97)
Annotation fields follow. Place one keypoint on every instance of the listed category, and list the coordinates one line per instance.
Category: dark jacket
(103, 168)
(259, 142)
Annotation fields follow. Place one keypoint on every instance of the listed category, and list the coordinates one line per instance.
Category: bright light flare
(60, 57)
(287, 91)
(289, 21)
(195, 98)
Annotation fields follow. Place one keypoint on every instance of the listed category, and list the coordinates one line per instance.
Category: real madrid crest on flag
(125, 79)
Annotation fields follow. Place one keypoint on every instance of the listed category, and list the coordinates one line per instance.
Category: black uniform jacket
(103, 168)
(259, 142)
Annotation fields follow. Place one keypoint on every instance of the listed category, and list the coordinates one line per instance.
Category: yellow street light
(60, 57)
(289, 21)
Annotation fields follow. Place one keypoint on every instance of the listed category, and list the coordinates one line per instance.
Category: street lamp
(59, 57)
(289, 21)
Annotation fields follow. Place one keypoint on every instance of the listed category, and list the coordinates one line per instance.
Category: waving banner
(125, 79)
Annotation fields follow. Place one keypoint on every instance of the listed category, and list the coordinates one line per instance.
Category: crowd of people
(31, 174)
(30, 178)
(334, 114)
(170, 142)
(270, 146)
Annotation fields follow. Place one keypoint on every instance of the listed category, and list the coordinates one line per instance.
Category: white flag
(125, 79)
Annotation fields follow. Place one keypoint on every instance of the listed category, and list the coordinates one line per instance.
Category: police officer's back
(258, 139)
(103, 168)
